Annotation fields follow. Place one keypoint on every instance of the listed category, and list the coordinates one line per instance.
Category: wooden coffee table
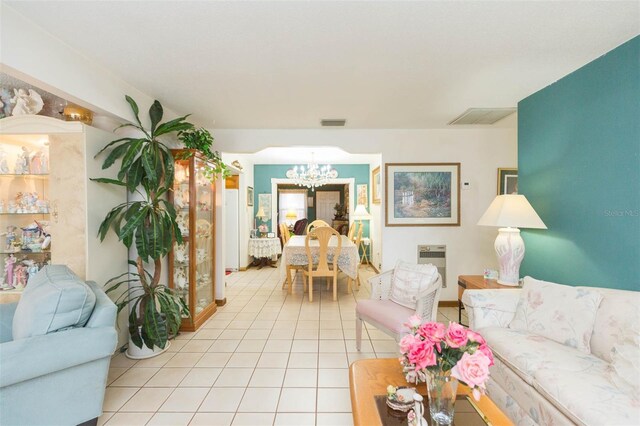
(370, 377)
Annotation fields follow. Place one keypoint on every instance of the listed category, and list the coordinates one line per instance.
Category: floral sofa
(563, 355)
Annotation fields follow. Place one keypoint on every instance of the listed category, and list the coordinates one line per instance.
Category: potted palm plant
(147, 223)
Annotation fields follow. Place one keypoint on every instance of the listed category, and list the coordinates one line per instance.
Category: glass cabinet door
(203, 240)
(181, 253)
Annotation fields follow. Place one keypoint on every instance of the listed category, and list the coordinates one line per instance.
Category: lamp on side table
(510, 212)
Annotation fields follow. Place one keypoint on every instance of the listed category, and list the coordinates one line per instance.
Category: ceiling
(305, 155)
(379, 64)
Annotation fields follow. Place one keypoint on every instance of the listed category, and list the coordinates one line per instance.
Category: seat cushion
(386, 313)
(558, 312)
(409, 280)
(55, 299)
(525, 352)
(589, 397)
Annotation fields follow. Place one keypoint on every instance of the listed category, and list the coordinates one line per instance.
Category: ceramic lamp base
(509, 247)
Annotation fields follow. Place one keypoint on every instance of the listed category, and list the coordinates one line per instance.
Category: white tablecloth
(264, 247)
(294, 253)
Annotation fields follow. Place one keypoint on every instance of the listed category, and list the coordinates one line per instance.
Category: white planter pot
(134, 352)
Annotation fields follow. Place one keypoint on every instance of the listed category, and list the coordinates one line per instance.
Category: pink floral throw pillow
(409, 280)
(558, 312)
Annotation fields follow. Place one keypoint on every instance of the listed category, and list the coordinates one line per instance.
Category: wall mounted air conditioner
(436, 255)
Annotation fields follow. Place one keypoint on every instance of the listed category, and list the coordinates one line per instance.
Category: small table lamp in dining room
(361, 213)
(291, 217)
(261, 215)
(510, 212)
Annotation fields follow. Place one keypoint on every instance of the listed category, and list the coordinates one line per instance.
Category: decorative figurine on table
(4, 167)
(26, 102)
(9, 262)
(180, 278)
(263, 230)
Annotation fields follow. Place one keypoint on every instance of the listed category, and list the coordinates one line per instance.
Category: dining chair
(322, 266)
(316, 224)
(356, 241)
(284, 233)
(406, 290)
(300, 226)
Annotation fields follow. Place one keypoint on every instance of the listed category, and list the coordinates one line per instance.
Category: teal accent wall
(579, 166)
(263, 173)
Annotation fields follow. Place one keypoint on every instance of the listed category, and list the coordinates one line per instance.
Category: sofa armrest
(7, 310)
(25, 359)
(490, 308)
(381, 285)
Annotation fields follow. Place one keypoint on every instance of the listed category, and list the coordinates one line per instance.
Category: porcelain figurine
(20, 276)
(12, 208)
(10, 237)
(32, 268)
(8, 268)
(5, 102)
(181, 253)
(180, 278)
(4, 167)
(1, 206)
(26, 102)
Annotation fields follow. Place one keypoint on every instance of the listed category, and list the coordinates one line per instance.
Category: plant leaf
(177, 124)
(155, 113)
(107, 180)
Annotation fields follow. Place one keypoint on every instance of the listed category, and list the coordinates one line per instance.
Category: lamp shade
(513, 211)
(291, 214)
(261, 213)
(361, 213)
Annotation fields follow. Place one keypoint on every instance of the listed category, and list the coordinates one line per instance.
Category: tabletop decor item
(441, 356)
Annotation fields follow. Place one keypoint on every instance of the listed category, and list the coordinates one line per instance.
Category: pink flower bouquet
(431, 346)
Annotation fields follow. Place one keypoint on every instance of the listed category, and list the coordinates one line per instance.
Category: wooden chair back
(318, 223)
(358, 240)
(323, 235)
(284, 233)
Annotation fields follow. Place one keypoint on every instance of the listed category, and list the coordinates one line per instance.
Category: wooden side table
(475, 282)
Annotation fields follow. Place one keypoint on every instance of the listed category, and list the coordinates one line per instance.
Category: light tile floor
(266, 358)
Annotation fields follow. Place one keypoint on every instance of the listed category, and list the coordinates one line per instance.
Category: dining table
(294, 253)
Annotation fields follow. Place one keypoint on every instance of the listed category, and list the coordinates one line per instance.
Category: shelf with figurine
(191, 263)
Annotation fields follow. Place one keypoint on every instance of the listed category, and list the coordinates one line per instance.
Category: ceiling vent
(333, 122)
(482, 116)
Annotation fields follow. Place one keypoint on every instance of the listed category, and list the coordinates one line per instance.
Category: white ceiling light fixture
(313, 175)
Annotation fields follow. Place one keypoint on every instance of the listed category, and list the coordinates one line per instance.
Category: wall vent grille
(333, 122)
(482, 116)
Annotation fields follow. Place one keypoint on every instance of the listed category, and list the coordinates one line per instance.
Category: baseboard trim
(243, 268)
(221, 302)
(448, 304)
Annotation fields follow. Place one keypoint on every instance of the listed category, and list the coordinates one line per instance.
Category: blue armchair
(57, 378)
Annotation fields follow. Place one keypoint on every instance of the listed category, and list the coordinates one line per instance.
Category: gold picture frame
(376, 186)
(507, 181)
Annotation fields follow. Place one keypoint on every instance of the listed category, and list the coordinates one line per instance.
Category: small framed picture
(249, 196)
(361, 191)
(271, 235)
(507, 181)
(376, 188)
(253, 233)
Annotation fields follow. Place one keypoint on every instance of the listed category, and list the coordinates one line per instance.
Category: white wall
(377, 221)
(479, 150)
(245, 212)
(36, 57)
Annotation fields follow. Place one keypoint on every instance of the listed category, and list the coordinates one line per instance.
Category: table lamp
(291, 217)
(510, 212)
(361, 213)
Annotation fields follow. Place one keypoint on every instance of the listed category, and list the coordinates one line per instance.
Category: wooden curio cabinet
(191, 265)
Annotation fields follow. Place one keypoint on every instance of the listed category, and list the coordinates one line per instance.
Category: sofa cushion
(409, 280)
(625, 364)
(618, 315)
(588, 397)
(54, 300)
(525, 352)
(387, 313)
(558, 312)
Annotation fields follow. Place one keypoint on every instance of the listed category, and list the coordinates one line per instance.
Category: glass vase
(442, 389)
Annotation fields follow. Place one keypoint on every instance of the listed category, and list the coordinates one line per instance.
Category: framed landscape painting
(424, 194)
(507, 181)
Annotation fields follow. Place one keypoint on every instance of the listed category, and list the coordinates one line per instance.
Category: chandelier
(313, 175)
